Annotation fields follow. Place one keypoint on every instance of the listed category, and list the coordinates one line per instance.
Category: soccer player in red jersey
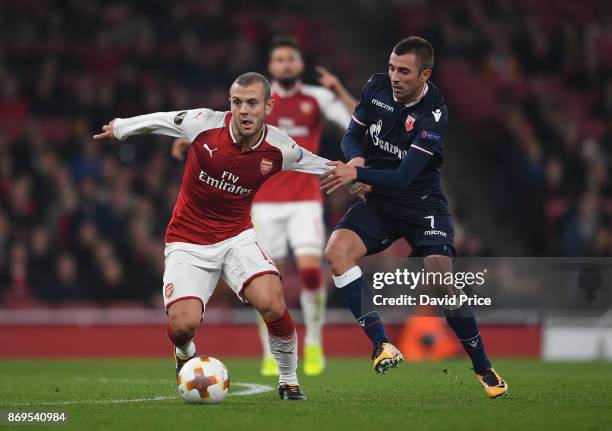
(288, 209)
(210, 234)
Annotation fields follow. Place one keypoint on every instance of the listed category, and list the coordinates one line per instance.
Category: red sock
(311, 278)
(282, 327)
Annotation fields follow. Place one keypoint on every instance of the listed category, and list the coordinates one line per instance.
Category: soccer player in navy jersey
(405, 116)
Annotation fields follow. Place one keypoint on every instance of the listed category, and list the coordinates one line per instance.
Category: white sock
(285, 351)
(349, 276)
(313, 309)
(263, 336)
(186, 351)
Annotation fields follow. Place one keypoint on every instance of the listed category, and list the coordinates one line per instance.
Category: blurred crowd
(83, 220)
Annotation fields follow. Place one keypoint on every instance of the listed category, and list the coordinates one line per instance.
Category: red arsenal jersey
(220, 181)
(300, 113)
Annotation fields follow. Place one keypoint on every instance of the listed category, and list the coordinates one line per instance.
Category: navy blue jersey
(393, 129)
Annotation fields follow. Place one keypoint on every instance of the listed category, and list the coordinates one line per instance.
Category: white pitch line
(116, 380)
(250, 389)
(119, 401)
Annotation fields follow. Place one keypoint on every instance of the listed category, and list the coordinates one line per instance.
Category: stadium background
(529, 89)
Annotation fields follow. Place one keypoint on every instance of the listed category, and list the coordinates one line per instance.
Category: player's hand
(107, 131)
(357, 162)
(359, 189)
(179, 148)
(327, 79)
(338, 177)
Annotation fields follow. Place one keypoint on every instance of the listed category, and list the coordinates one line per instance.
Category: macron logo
(435, 232)
(382, 105)
(437, 114)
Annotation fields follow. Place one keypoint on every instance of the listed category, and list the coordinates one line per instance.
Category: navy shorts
(426, 225)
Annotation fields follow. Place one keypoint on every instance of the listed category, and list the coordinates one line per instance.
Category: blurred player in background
(405, 117)
(210, 234)
(288, 210)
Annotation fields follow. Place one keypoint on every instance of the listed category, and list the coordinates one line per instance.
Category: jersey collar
(418, 99)
(264, 130)
(281, 92)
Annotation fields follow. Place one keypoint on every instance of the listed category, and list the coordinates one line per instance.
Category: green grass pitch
(141, 394)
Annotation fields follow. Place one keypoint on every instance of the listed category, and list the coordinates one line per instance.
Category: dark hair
(251, 78)
(418, 46)
(284, 41)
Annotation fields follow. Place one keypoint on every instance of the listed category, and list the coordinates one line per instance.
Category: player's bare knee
(185, 327)
(343, 250)
(277, 310)
(184, 324)
(439, 264)
(337, 256)
(273, 308)
(334, 252)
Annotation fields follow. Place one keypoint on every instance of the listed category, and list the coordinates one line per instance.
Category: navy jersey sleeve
(360, 120)
(429, 131)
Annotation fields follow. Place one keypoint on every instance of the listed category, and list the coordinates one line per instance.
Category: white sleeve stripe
(422, 149)
(357, 121)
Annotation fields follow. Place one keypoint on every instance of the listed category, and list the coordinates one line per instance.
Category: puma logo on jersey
(207, 148)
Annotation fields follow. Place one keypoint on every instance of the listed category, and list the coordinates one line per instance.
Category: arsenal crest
(410, 123)
(306, 107)
(266, 166)
(168, 290)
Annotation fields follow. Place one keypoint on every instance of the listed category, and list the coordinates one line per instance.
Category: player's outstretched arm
(107, 131)
(179, 124)
(408, 170)
(342, 175)
(302, 160)
(296, 158)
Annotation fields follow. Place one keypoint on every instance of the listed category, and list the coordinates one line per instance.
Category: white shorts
(295, 224)
(192, 270)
